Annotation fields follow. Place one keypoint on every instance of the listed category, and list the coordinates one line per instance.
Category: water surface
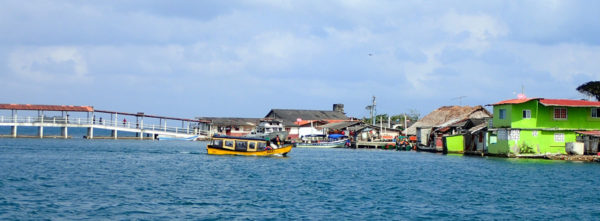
(130, 179)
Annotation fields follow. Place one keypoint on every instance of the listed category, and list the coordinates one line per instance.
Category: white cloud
(481, 29)
(49, 65)
(562, 61)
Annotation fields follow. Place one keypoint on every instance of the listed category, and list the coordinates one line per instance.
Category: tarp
(336, 136)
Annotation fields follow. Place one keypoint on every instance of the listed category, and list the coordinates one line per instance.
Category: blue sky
(242, 58)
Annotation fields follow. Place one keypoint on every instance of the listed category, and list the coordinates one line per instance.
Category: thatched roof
(448, 115)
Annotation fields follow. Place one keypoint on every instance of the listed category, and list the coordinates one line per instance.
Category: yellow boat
(227, 145)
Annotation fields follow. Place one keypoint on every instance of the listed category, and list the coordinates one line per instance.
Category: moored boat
(334, 141)
(227, 145)
(269, 128)
(191, 138)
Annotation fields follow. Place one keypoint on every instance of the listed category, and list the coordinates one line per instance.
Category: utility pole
(371, 108)
(373, 111)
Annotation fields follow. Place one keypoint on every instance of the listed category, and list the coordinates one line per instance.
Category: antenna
(459, 99)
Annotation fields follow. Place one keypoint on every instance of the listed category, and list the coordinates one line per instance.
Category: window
(241, 145)
(229, 143)
(560, 113)
(559, 137)
(502, 114)
(596, 112)
(514, 135)
(526, 114)
(262, 145)
(217, 143)
(251, 145)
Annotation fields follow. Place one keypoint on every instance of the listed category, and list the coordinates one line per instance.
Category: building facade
(540, 126)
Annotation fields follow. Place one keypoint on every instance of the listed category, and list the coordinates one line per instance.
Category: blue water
(108, 179)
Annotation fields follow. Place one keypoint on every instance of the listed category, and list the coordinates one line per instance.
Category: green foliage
(524, 148)
(591, 88)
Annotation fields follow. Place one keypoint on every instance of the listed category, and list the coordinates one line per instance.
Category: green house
(539, 126)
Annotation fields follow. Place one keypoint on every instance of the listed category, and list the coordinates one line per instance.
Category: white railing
(89, 122)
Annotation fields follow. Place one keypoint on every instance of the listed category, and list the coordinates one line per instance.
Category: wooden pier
(371, 144)
(115, 124)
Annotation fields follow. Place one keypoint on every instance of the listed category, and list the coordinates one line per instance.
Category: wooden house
(298, 122)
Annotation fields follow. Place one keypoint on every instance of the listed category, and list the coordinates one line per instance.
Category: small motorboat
(228, 145)
(321, 141)
(192, 138)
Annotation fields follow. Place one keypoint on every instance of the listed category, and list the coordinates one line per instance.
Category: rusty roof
(46, 107)
(593, 133)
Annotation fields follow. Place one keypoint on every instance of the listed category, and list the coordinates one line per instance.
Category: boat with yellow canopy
(229, 145)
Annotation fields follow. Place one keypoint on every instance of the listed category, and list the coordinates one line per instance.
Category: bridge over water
(145, 126)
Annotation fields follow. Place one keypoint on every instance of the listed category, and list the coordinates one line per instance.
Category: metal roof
(593, 133)
(289, 116)
(553, 102)
(46, 107)
(569, 103)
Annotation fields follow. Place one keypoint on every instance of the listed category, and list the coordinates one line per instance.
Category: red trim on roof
(595, 133)
(515, 101)
(553, 102)
(46, 107)
(569, 103)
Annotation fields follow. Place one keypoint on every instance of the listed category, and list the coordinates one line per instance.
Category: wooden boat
(228, 145)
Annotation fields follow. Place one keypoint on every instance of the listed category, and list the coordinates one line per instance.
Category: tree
(591, 88)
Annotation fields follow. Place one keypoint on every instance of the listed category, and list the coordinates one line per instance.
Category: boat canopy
(336, 136)
(237, 138)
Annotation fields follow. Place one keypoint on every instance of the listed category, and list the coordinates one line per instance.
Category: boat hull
(279, 151)
(335, 144)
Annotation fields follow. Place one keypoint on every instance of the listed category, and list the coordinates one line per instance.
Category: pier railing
(87, 122)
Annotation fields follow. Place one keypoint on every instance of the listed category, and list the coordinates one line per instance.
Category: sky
(243, 58)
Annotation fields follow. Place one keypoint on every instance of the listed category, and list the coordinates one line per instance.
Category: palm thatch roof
(449, 115)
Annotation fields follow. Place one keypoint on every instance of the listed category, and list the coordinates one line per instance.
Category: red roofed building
(542, 126)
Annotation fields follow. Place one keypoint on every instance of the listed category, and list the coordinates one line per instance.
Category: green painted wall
(543, 117)
(496, 121)
(577, 118)
(517, 115)
(455, 143)
(498, 147)
(543, 143)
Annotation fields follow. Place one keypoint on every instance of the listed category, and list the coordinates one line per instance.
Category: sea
(78, 179)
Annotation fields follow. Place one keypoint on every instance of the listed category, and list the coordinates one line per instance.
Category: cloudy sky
(242, 58)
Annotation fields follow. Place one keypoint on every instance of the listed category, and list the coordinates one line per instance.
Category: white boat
(268, 129)
(320, 141)
(192, 138)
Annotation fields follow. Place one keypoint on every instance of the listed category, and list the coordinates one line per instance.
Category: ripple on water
(80, 179)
